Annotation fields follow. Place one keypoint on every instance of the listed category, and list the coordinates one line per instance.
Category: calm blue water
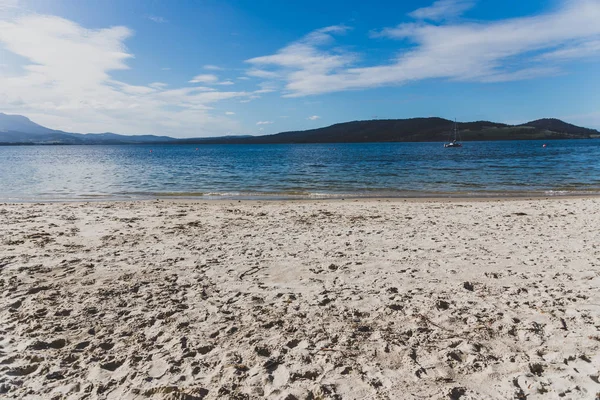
(374, 169)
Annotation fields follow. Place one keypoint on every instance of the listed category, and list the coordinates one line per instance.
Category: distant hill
(556, 125)
(16, 129)
(20, 129)
(19, 123)
(417, 130)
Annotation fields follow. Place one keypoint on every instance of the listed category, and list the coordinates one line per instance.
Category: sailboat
(454, 142)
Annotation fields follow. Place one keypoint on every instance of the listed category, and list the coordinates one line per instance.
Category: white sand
(362, 299)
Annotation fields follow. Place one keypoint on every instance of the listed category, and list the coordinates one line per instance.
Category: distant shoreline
(20, 129)
(216, 142)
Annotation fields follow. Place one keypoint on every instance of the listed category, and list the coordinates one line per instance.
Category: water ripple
(319, 170)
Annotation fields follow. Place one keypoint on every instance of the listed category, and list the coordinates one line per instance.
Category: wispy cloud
(229, 113)
(264, 122)
(7, 5)
(302, 59)
(313, 117)
(573, 51)
(260, 73)
(157, 19)
(212, 67)
(266, 87)
(304, 53)
(250, 98)
(205, 78)
(158, 85)
(482, 52)
(210, 79)
(443, 9)
(521, 75)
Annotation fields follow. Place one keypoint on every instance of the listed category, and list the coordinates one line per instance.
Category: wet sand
(354, 299)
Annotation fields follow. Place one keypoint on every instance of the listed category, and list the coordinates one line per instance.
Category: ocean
(508, 168)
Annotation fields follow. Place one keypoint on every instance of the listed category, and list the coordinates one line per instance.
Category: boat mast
(455, 129)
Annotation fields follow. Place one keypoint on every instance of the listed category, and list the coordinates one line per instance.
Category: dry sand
(340, 299)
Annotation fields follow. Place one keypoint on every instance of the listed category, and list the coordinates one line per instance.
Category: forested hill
(419, 130)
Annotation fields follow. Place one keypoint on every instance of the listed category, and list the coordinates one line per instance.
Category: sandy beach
(341, 299)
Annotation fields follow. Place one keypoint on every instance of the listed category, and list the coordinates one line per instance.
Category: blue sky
(206, 68)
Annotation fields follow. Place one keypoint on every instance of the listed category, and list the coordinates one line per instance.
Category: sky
(197, 68)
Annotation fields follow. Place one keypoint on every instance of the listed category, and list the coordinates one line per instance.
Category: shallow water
(30, 173)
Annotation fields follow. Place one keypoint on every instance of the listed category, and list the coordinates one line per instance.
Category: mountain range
(17, 129)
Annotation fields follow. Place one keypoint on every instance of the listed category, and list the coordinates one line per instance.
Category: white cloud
(482, 52)
(131, 89)
(266, 87)
(259, 73)
(191, 96)
(304, 54)
(65, 83)
(313, 117)
(229, 113)
(8, 4)
(205, 78)
(243, 78)
(158, 85)
(264, 122)
(580, 50)
(212, 67)
(158, 20)
(187, 90)
(210, 79)
(250, 98)
(522, 74)
(165, 69)
(8, 7)
(63, 51)
(443, 9)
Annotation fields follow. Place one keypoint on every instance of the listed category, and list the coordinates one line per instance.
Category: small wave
(573, 192)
